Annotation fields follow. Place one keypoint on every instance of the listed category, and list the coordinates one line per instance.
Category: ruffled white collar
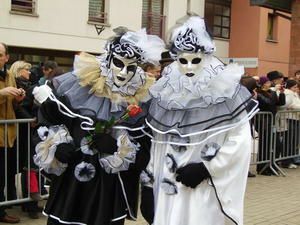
(93, 73)
(214, 84)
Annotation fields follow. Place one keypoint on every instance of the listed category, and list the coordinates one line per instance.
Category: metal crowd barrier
(287, 138)
(262, 138)
(22, 150)
(275, 140)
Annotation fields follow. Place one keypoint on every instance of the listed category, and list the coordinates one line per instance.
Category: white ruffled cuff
(45, 150)
(122, 159)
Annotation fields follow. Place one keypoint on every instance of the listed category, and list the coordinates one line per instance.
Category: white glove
(43, 132)
(41, 93)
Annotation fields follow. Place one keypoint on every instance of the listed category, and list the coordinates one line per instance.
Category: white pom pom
(41, 93)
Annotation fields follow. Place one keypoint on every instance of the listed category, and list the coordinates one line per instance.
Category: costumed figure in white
(199, 116)
(86, 143)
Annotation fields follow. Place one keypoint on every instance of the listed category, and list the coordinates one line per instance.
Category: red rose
(134, 110)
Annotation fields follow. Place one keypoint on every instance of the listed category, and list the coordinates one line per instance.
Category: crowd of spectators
(17, 102)
(276, 93)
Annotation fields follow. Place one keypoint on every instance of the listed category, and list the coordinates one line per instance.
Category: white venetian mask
(190, 64)
(123, 70)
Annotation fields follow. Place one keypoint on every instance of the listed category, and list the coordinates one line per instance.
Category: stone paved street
(269, 201)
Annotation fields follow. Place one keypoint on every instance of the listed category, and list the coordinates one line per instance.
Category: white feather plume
(151, 45)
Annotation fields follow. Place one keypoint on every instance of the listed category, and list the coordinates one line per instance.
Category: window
(152, 17)
(217, 16)
(23, 6)
(38, 56)
(272, 27)
(97, 11)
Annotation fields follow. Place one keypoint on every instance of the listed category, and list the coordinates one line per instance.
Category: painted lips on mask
(190, 63)
(190, 74)
(123, 70)
(121, 78)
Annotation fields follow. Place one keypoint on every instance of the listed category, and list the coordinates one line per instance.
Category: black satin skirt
(98, 201)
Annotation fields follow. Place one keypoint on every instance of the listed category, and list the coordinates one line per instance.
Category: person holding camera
(277, 81)
(268, 102)
(9, 95)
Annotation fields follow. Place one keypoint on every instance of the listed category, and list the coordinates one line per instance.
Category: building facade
(260, 35)
(295, 34)
(39, 30)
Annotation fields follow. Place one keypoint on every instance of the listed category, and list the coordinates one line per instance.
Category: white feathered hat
(191, 36)
(136, 45)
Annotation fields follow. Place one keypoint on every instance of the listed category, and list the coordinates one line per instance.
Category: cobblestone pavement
(269, 201)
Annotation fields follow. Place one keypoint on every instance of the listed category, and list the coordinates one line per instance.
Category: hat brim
(166, 60)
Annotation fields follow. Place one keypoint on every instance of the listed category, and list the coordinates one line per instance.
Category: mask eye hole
(183, 61)
(196, 60)
(131, 68)
(118, 63)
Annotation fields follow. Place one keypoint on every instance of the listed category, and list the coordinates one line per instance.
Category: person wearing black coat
(26, 109)
(268, 102)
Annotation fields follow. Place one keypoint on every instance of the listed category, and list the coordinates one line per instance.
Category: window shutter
(152, 17)
(146, 10)
(157, 16)
(96, 11)
(24, 6)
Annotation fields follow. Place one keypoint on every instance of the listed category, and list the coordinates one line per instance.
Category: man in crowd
(49, 71)
(276, 79)
(9, 94)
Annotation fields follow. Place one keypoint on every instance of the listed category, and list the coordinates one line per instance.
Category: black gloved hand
(192, 174)
(65, 152)
(104, 143)
(147, 204)
(142, 159)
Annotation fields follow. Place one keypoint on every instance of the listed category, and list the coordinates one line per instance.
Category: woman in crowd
(292, 103)
(26, 109)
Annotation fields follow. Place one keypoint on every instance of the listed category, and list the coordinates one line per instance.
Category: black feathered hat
(273, 75)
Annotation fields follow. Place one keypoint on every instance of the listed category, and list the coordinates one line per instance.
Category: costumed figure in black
(201, 144)
(87, 143)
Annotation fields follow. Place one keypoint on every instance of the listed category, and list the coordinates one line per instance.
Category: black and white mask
(123, 69)
(190, 64)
